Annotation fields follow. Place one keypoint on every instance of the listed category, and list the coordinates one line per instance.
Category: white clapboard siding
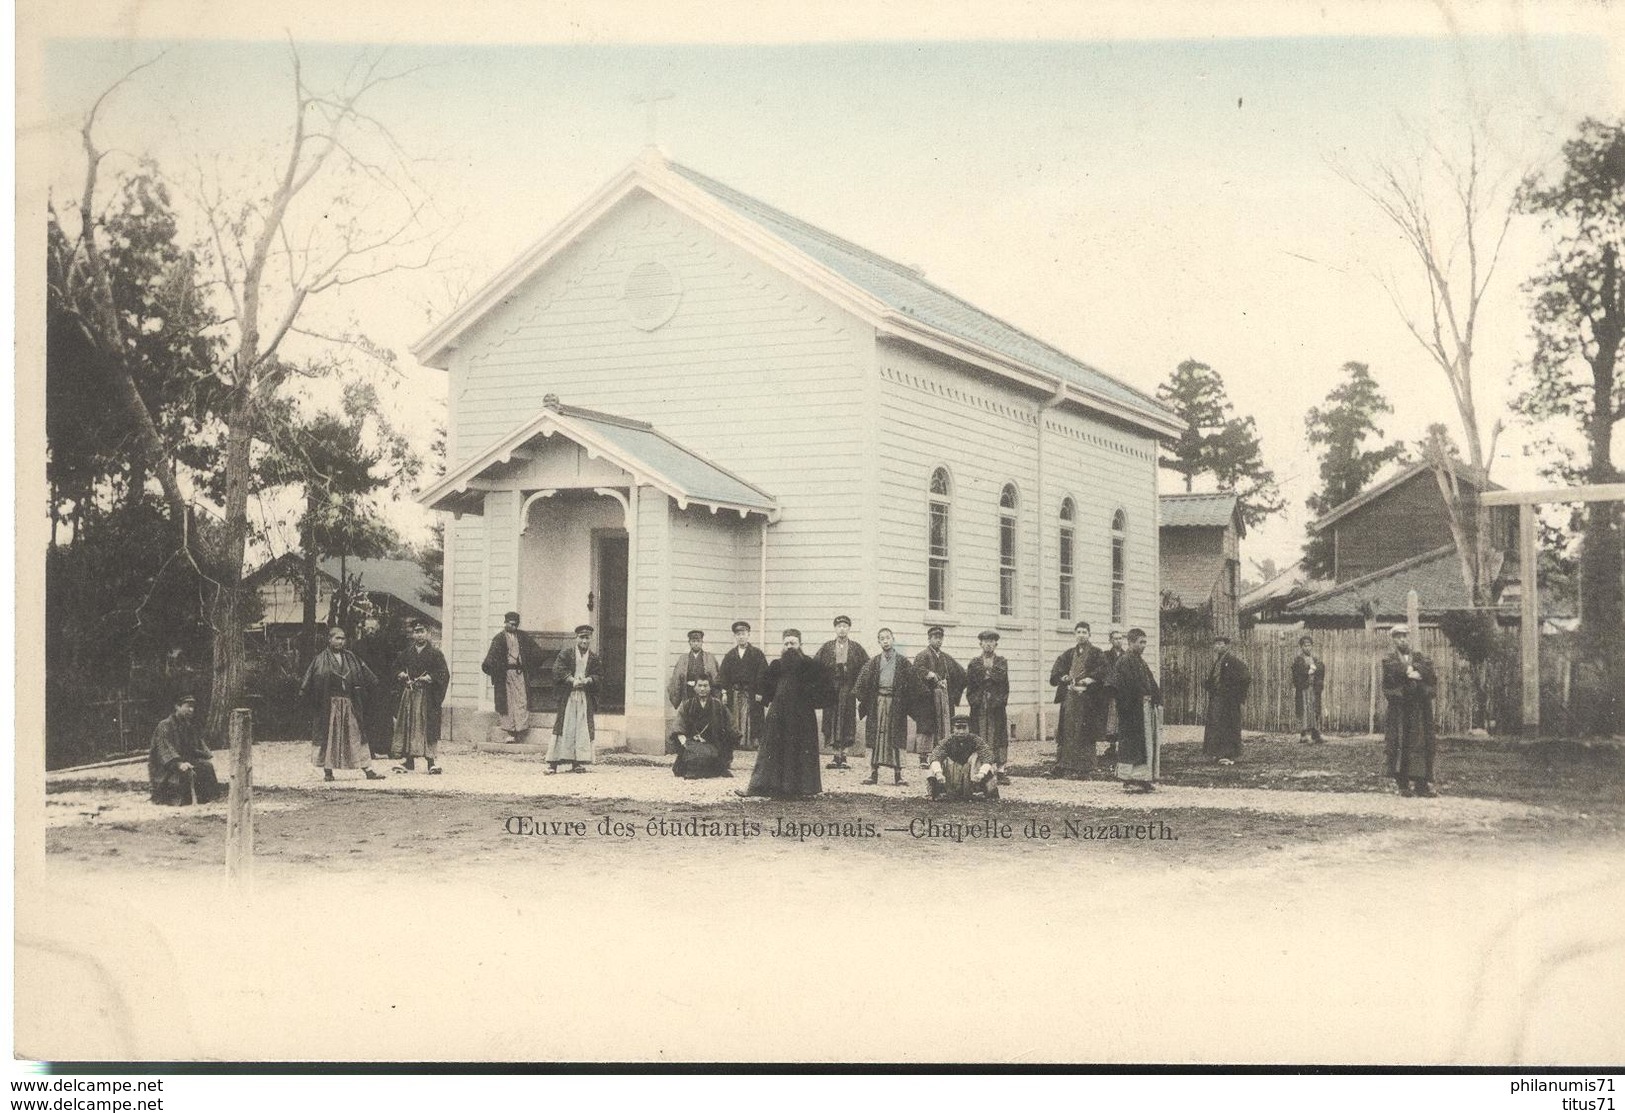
(650, 621)
(464, 604)
(708, 590)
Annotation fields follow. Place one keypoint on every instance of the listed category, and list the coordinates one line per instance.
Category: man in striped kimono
(987, 690)
(738, 674)
(338, 689)
(577, 674)
(509, 662)
(944, 680)
(842, 659)
(421, 672)
(888, 689)
(1308, 684)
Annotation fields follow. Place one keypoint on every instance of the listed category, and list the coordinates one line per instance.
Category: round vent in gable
(650, 295)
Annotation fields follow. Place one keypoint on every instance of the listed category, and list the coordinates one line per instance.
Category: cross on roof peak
(651, 99)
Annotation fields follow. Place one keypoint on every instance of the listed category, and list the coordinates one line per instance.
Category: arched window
(936, 576)
(1007, 550)
(1119, 565)
(1068, 517)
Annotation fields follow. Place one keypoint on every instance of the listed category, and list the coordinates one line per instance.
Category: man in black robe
(1114, 654)
(841, 659)
(1408, 681)
(987, 690)
(704, 739)
(1079, 678)
(688, 668)
(962, 766)
(1138, 696)
(377, 650)
(510, 662)
(1308, 685)
(738, 674)
(422, 675)
(179, 766)
(1226, 686)
(793, 687)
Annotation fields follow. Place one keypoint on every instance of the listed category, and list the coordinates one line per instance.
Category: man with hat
(842, 658)
(179, 766)
(704, 738)
(792, 687)
(1408, 681)
(944, 680)
(688, 668)
(962, 766)
(1079, 678)
(740, 671)
(1115, 652)
(1308, 683)
(578, 673)
(421, 672)
(888, 691)
(1138, 697)
(341, 692)
(510, 662)
(987, 690)
(1226, 685)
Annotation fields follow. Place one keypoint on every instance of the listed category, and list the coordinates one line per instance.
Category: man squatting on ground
(962, 766)
(179, 766)
(704, 740)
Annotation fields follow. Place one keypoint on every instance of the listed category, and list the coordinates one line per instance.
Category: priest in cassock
(1079, 677)
(944, 680)
(888, 691)
(421, 672)
(1138, 698)
(180, 767)
(577, 674)
(1226, 685)
(793, 687)
(704, 739)
(987, 690)
(841, 659)
(339, 690)
(738, 674)
(1408, 680)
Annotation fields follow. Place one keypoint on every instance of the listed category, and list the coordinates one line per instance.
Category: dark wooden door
(609, 615)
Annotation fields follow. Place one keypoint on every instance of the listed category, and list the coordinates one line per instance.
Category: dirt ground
(1289, 908)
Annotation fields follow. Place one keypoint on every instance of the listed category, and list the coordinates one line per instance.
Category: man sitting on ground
(705, 738)
(180, 766)
(962, 766)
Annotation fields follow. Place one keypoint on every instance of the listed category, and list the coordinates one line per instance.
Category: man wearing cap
(341, 692)
(842, 658)
(509, 663)
(792, 686)
(689, 667)
(1138, 697)
(1308, 683)
(1226, 686)
(1408, 681)
(704, 738)
(577, 674)
(1079, 679)
(961, 766)
(987, 690)
(1114, 654)
(179, 766)
(944, 680)
(888, 690)
(421, 672)
(739, 673)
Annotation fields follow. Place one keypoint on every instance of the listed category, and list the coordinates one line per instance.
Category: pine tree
(1217, 443)
(1342, 428)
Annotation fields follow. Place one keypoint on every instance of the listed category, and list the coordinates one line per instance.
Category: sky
(1133, 201)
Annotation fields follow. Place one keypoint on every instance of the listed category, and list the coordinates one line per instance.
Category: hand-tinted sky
(1135, 203)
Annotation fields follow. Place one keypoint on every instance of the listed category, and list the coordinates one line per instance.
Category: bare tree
(1453, 216)
(342, 208)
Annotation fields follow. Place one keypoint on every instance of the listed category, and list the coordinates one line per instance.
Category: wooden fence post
(240, 802)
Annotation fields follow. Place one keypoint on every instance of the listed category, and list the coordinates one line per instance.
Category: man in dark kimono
(962, 766)
(888, 691)
(179, 766)
(944, 680)
(793, 687)
(738, 674)
(1226, 686)
(340, 691)
(578, 673)
(374, 648)
(423, 677)
(1114, 654)
(688, 668)
(1308, 683)
(842, 659)
(1138, 698)
(1408, 681)
(987, 690)
(704, 739)
(1079, 679)
(510, 663)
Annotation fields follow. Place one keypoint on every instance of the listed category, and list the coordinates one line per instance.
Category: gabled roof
(895, 299)
(403, 579)
(1435, 575)
(636, 447)
(1464, 474)
(1193, 511)
(1281, 587)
